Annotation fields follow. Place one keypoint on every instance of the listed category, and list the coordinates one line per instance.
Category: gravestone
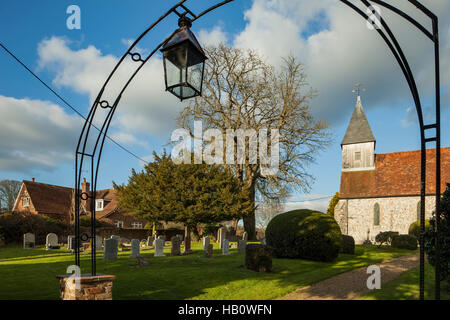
(209, 251)
(142, 262)
(163, 238)
(135, 248)
(245, 236)
(226, 248)
(150, 241)
(29, 241)
(51, 241)
(206, 241)
(110, 249)
(159, 247)
(98, 243)
(176, 244)
(241, 246)
(71, 243)
(115, 237)
(221, 235)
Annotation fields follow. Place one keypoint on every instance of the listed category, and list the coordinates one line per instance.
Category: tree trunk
(187, 240)
(250, 220)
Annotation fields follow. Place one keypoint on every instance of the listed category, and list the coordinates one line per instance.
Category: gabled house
(58, 203)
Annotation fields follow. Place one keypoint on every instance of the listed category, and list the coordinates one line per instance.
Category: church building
(381, 192)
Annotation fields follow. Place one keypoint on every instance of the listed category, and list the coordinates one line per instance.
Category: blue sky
(39, 132)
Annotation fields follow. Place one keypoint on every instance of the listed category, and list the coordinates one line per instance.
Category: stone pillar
(90, 287)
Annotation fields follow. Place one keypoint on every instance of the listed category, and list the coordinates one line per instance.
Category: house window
(25, 202)
(376, 215)
(357, 156)
(119, 224)
(136, 225)
(99, 205)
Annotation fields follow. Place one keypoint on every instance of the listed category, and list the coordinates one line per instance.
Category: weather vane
(358, 89)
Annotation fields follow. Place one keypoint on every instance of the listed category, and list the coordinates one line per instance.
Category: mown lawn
(31, 274)
(406, 287)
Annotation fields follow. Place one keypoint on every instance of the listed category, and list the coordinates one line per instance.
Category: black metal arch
(96, 151)
(386, 33)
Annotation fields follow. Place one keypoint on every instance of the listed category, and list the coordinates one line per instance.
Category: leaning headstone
(51, 241)
(258, 258)
(150, 241)
(159, 247)
(176, 244)
(29, 241)
(206, 241)
(135, 248)
(245, 236)
(209, 251)
(98, 243)
(142, 262)
(110, 249)
(226, 247)
(241, 246)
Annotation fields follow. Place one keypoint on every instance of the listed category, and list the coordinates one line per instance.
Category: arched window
(418, 211)
(376, 215)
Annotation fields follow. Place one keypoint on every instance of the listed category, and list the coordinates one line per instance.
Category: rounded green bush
(404, 241)
(348, 244)
(304, 234)
(414, 228)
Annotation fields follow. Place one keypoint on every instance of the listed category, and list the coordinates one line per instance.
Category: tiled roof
(358, 130)
(110, 202)
(48, 198)
(395, 174)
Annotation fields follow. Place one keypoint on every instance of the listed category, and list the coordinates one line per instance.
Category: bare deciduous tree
(242, 91)
(266, 211)
(8, 193)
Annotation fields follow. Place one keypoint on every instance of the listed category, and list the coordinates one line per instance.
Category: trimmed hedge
(304, 234)
(414, 228)
(404, 241)
(385, 237)
(348, 244)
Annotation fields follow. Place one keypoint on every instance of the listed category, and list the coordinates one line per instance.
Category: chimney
(32, 179)
(85, 188)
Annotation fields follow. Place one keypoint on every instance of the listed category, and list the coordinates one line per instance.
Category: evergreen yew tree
(191, 194)
(444, 228)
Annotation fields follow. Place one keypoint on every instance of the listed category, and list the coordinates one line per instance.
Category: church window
(376, 215)
(358, 156)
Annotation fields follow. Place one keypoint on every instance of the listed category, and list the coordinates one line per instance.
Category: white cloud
(213, 37)
(145, 107)
(36, 135)
(338, 50)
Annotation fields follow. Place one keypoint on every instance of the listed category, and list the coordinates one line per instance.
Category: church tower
(358, 146)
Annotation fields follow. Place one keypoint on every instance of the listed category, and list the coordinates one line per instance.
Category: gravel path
(353, 284)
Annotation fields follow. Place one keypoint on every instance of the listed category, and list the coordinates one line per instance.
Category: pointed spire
(358, 130)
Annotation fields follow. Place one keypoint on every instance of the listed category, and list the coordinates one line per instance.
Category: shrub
(444, 231)
(414, 228)
(348, 244)
(404, 241)
(385, 237)
(304, 234)
(86, 222)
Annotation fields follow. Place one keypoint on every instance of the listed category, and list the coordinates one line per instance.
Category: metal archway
(385, 32)
(389, 38)
(93, 155)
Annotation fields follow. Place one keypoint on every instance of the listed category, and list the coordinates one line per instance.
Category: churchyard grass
(31, 273)
(406, 287)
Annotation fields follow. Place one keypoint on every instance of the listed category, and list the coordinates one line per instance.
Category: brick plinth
(97, 287)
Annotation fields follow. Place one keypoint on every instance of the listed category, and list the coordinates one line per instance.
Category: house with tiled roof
(381, 192)
(58, 203)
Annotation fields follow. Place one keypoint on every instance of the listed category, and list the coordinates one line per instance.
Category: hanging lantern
(184, 62)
